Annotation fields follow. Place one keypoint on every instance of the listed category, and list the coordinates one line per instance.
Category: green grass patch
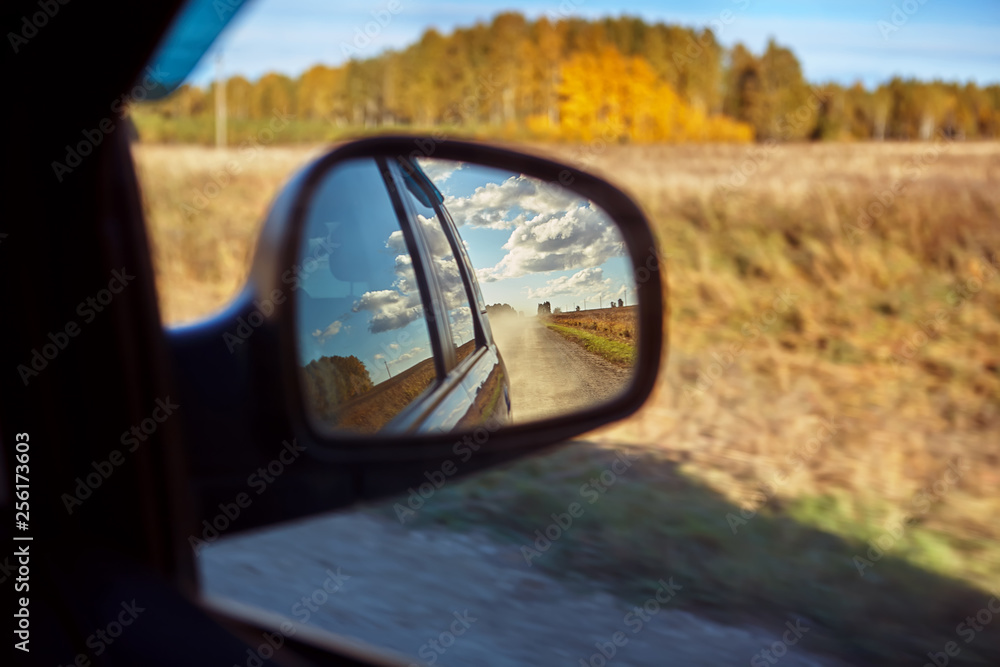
(622, 354)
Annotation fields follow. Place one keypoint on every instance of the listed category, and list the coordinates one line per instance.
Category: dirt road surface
(551, 375)
(365, 576)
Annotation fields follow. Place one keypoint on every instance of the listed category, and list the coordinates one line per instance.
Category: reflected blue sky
(358, 293)
(583, 283)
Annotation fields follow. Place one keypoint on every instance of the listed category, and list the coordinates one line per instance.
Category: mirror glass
(446, 296)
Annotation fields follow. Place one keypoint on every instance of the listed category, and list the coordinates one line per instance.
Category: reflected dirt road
(551, 375)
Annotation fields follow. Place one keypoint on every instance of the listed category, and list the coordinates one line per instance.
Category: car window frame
(465, 269)
(413, 414)
(451, 358)
(482, 320)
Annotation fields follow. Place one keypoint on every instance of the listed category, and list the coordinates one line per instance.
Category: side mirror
(434, 293)
(415, 302)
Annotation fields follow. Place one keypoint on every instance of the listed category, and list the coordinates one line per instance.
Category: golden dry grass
(733, 407)
(205, 209)
(850, 349)
(618, 324)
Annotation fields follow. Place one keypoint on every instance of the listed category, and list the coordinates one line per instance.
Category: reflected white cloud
(390, 309)
(561, 241)
(510, 204)
(406, 357)
(439, 171)
(329, 332)
(582, 283)
(396, 242)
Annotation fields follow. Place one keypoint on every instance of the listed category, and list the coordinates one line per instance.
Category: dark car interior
(111, 532)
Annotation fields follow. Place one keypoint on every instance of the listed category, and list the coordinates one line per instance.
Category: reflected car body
(462, 382)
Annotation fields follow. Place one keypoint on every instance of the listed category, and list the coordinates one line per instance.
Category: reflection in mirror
(444, 296)
(361, 320)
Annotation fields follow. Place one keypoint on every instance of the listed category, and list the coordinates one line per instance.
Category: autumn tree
(620, 79)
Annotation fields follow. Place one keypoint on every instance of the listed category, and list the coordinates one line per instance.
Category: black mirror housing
(256, 390)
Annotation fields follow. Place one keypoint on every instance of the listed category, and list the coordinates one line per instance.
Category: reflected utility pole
(220, 104)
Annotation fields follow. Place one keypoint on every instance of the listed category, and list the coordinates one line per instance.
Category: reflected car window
(463, 247)
(446, 269)
(364, 344)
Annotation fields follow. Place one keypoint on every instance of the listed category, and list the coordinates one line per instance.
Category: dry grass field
(608, 332)
(834, 357)
(618, 324)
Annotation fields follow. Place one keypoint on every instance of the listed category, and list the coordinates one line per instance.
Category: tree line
(619, 79)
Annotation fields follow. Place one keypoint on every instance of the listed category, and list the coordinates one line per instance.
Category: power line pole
(220, 104)
(387, 368)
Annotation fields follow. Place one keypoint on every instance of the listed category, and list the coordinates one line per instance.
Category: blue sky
(530, 244)
(835, 41)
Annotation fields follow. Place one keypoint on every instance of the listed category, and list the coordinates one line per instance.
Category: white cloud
(563, 241)
(510, 204)
(553, 228)
(446, 268)
(439, 171)
(393, 308)
(390, 309)
(329, 332)
(412, 353)
(396, 242)
(583, 283)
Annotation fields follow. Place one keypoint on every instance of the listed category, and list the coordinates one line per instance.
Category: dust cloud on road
(551, 375)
